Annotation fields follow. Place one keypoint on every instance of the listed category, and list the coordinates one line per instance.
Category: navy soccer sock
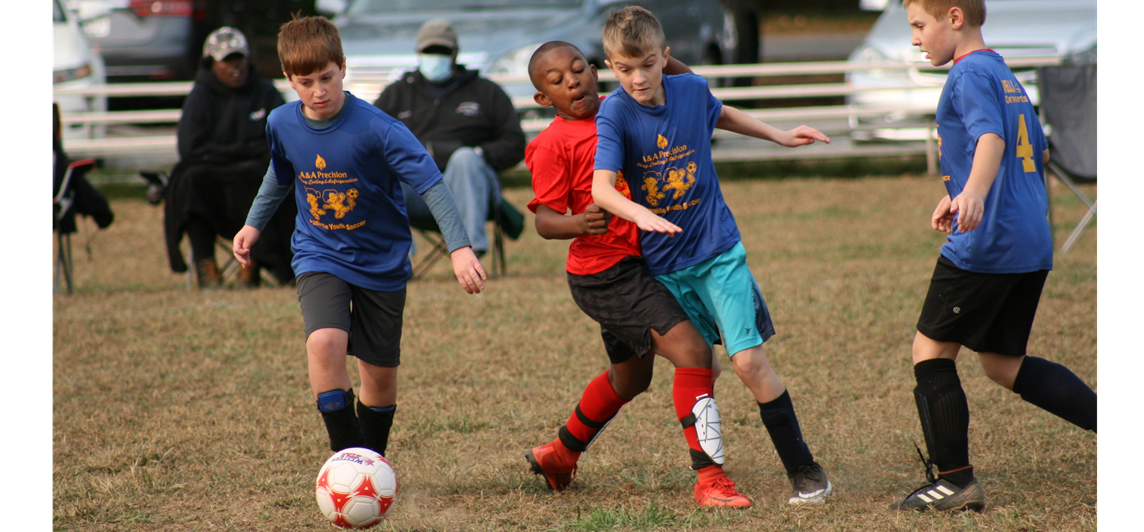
(341, 422)
(782, 424)
(944, 414)
(375, 424)
(1058, 390)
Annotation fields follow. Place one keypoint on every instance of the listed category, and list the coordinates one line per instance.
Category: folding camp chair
(72, 195)
(1068, 106)
(508, 222)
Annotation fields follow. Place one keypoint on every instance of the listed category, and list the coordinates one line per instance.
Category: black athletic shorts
(372, 318)
(986, 312)
(627, 301)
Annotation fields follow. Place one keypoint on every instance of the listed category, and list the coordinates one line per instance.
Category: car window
(396, 6)
(57, 12)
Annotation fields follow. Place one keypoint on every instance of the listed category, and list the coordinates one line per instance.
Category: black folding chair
(63, 219)
(508, 222)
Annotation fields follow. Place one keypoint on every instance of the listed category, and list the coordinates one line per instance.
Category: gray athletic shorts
(373, 319)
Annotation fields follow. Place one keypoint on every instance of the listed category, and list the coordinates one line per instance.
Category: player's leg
(325, 302)
(956, 307)
(1046, 384)
(728, 288)
(376, 342)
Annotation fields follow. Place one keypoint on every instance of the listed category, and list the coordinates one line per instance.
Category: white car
(1016, 29)
(75, 64)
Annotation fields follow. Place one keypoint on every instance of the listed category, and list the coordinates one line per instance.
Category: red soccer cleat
(558, 468)
(720, 493)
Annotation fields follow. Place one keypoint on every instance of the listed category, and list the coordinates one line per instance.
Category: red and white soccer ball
(355, 488)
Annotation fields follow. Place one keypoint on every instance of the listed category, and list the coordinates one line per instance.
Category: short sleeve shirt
(665, 154)
(352, 220)
(981, 96)
(561, 160)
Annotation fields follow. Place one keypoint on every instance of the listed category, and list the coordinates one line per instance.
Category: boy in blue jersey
(346, 160)
(988, 279)
(657, 129)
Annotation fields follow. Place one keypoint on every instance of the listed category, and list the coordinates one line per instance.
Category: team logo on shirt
(327, 196)
(672, 180)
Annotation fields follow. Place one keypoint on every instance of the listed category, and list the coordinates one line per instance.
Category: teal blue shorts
(720, 294)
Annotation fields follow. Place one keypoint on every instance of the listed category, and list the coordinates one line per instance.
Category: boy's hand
(243, 241)
(468, 270)
(596, 220)
(942, 219)
(648, 221)
(801, 136)
(969, 206)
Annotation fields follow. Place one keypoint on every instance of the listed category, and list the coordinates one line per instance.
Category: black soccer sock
(782, 424)
(341, 422)
(375, 424)
(1058, 390)
(944, 414)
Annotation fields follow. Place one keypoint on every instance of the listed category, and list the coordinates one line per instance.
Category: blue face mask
(435, 68)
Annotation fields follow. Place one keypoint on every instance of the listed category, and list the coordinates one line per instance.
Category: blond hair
(307, 44)
(974, 10)
(632, 32)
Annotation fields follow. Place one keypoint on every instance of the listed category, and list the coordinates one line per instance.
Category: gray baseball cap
(225, 41)
(436, 32)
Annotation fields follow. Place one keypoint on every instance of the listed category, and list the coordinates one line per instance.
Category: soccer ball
(355, 488)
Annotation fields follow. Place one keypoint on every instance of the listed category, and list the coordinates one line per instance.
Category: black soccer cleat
(810, 485)
(944, 496)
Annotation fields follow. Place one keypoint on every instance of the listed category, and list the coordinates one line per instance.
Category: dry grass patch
(182, 410)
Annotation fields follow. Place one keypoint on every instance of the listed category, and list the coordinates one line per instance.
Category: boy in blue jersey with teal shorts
(988, 279)
(657, 129)
(346, 160)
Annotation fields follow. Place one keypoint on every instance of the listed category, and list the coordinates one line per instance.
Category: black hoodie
(221, 124)
(472, 111)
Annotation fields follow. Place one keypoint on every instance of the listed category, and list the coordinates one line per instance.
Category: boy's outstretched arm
(605, 194)
(737, 121)
(970, 203)
(553, 225)
(466, 266)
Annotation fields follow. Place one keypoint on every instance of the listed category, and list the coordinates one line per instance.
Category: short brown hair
(306, 45)
(633, 32)
(974, 10)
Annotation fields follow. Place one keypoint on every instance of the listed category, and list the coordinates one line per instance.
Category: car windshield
(398, 6)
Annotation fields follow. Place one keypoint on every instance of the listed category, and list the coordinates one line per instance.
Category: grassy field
(180, 410)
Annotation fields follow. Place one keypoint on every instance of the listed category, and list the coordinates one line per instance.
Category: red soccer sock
(689, 386)
(597, 407)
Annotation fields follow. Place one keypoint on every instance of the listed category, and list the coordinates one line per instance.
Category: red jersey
(562, 160)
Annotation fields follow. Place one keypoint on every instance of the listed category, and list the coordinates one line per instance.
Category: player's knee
(751, 364)
(324, 343)
(627, 385)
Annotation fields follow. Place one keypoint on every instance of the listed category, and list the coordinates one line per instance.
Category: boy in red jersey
(610, 282)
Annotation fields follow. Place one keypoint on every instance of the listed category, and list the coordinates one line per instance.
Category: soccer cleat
(944, 496)
(720, 493)
(810, 485)
(547, 460)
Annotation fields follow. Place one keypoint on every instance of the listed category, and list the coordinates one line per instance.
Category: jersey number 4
(1024, 147)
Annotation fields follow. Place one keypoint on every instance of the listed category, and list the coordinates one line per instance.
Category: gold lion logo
(312, 198)
(661, 142)
(320, 163)
(651, 185)
(680, 181)
(341, 202)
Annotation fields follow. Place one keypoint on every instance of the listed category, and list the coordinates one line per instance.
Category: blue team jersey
(982, 96)
(352, 221)
(664, 153)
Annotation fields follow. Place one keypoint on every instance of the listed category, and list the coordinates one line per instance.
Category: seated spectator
(466, 122)
(223, 156)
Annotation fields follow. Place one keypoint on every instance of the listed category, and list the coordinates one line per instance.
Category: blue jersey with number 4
(982, 96)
